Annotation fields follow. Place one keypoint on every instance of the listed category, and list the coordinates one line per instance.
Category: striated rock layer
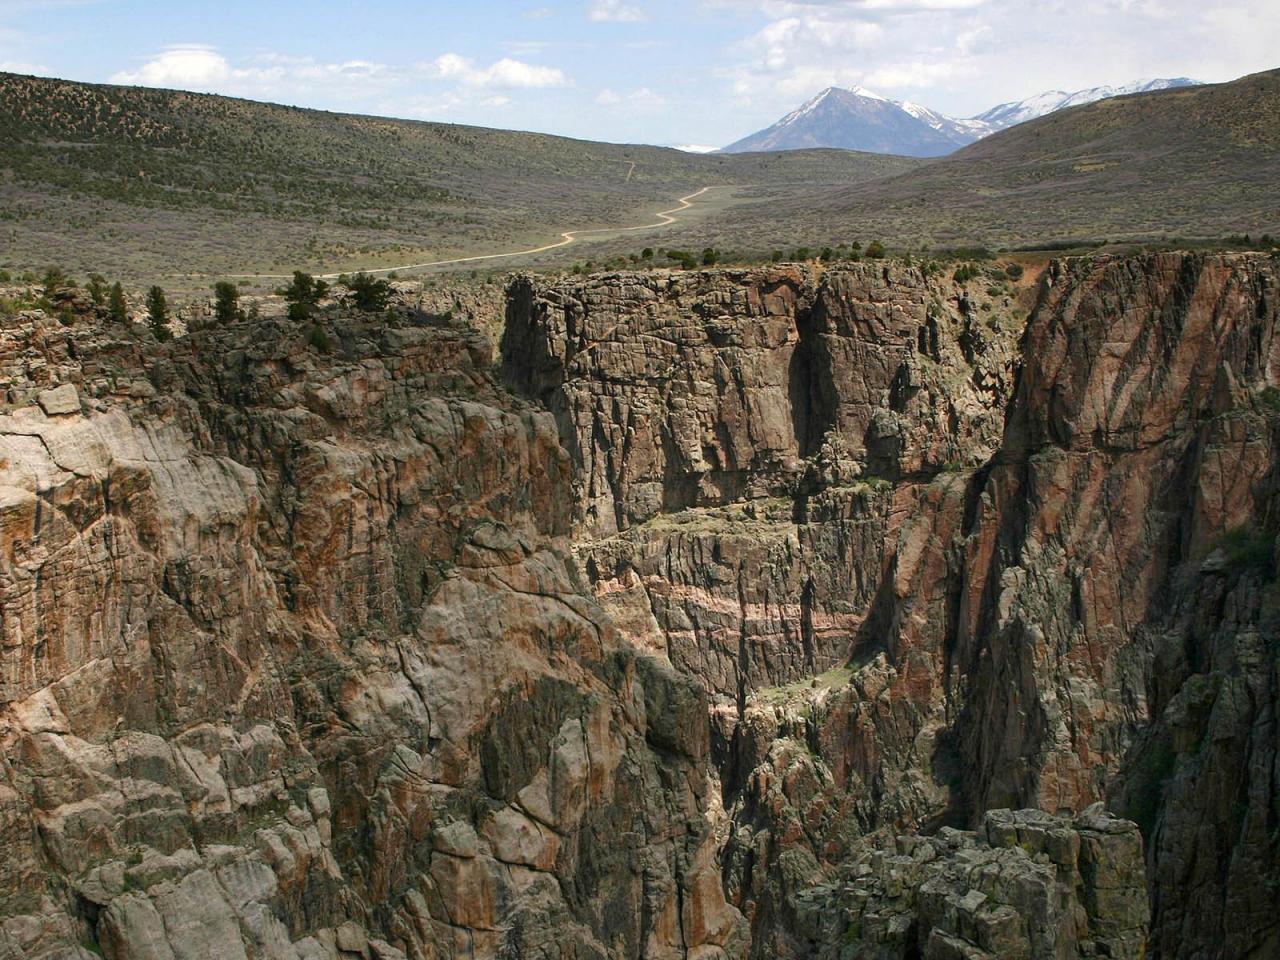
(931, 560)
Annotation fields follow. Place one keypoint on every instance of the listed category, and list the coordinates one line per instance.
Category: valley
(425, 541)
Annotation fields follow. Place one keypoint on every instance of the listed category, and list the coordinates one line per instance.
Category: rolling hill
(142, 183)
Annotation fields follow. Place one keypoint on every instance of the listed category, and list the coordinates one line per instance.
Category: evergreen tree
(97, 287)
(117, 307)
(368, 293)
(226, 302)
(158, 313)
(54, 281)
(875, 250)
(302, 294)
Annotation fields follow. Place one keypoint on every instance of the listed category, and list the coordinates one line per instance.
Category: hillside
(144, 182)
(1199, 161)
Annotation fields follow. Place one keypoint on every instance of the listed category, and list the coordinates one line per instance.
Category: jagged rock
(1025, 886)
(350, 652)
(295, 665)
(976, 571)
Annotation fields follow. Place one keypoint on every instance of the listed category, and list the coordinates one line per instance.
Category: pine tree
(158, 313)
(97, 287)
(226, 305)
(117, 307)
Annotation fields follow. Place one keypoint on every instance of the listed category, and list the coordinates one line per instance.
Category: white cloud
(507, 73)
(18, 66)
(614, 11)
(189, 66)
(640, 100)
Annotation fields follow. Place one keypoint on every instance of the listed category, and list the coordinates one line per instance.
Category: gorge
(781, 611)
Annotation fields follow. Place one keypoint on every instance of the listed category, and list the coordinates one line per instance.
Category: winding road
(665, 217)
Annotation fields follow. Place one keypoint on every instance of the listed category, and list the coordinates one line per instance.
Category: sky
(690, 73)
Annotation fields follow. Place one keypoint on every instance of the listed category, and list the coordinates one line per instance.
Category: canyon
(785, 611)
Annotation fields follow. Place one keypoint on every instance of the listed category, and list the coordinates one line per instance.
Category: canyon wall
(743, 613)
(295, 665)
(933, 557)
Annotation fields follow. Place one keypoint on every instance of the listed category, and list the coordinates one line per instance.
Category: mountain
(861, 120)
(1019, 111)
(1197, 161)
(141, 183)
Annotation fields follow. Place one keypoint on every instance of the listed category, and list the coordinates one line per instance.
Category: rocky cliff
(931, 559)
(295, 665)
(732, 619)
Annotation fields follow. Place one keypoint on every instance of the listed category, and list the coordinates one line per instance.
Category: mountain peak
(860, 119)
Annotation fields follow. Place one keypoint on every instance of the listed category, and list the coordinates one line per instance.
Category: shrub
(776, 256)
(319, 338)
(302, 294)
(964, 273)
(646, 253)
(1248, 549)
(875, 250)
(827, 255)
(1013, 271)
(710, 257)
(54, 282)
(800, 253)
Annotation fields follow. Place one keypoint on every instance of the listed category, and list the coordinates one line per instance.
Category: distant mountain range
(858, 119)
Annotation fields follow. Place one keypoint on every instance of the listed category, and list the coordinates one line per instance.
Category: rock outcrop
(1025, 884)
(932, 560)
(295, 665)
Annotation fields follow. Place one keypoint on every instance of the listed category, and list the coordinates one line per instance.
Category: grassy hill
(144, 183)
(1191, 162)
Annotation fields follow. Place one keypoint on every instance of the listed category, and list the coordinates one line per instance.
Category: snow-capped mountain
(1020, 111)
(859, 119)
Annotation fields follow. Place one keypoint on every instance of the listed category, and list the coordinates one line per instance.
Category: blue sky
(693, 72)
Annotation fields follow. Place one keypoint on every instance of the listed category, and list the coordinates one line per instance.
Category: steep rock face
(920, 592)
(1120, 579)
(294, 666)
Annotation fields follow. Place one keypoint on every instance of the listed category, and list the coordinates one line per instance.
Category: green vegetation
(97, 289)
(302, 294)
(1249, 549)
(367, 293)
(139, 182)
(158, 314)
(226, 302)
(875, 250)
(117, 307)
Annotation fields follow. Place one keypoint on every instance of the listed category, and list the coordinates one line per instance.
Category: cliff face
(295, 666)
(733, 637)
(931, 560)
